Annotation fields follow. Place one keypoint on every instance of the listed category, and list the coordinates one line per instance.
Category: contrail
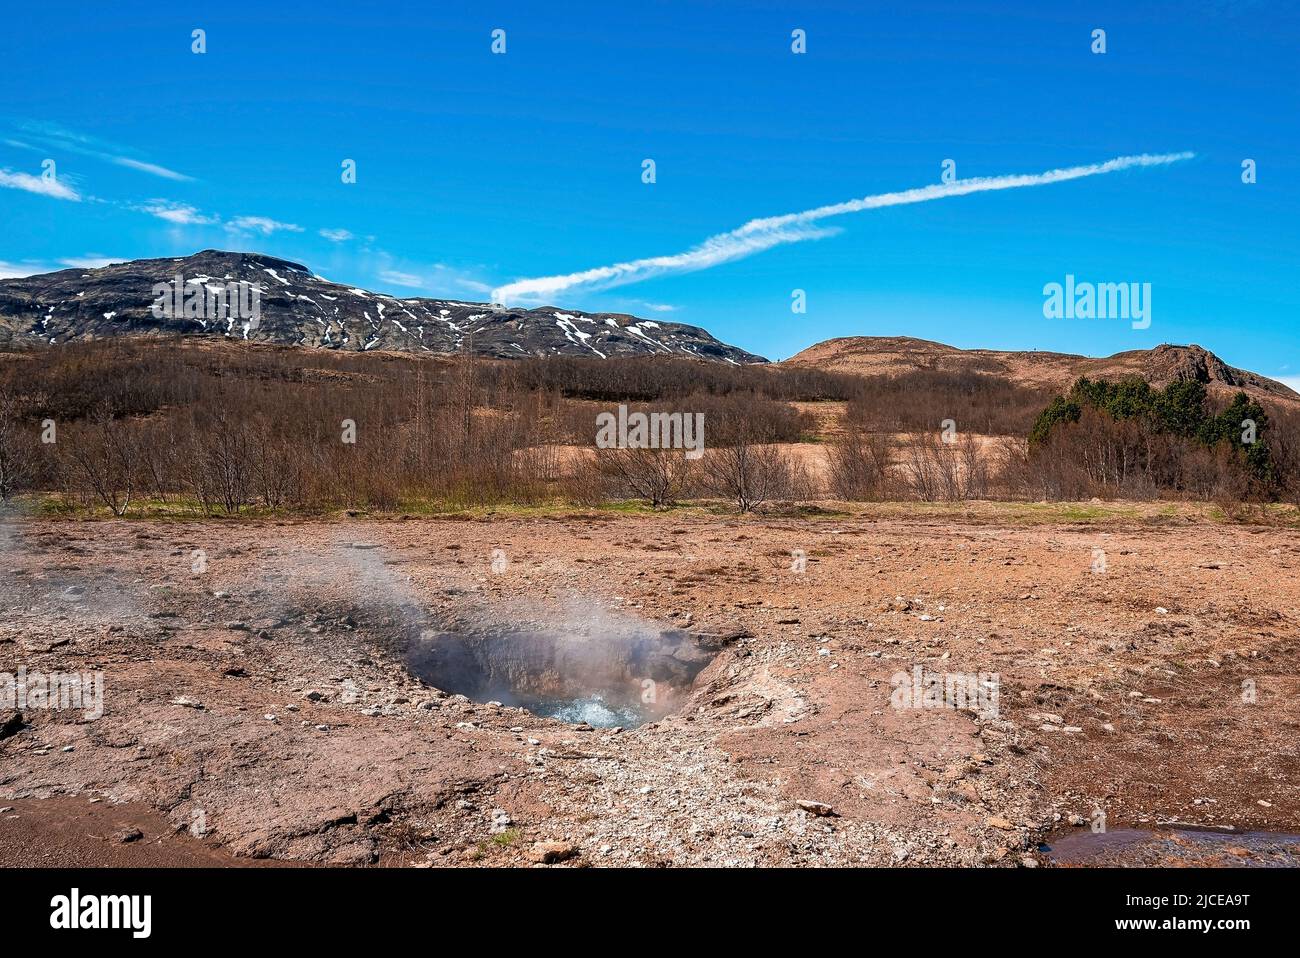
(760, 234)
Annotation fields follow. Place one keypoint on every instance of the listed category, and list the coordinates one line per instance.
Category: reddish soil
(1120, 691)
(68, 832)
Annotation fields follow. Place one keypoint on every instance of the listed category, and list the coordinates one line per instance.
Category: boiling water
(593, 710)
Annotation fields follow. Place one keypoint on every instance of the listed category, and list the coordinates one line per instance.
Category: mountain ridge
(300, 308)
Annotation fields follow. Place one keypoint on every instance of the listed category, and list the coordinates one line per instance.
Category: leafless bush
(583, 481)
(973, 468)
(660, 476)
(1284, 442)
(859, 466)
(727, 417)
(751, 474)
(277, 469)
(936, 470)
(989, 403)
(103, 460)
(17, 445)
(1100, 457)
(220, 460)
(260, 427)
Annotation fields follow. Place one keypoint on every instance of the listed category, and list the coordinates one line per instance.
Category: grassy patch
(188, 509)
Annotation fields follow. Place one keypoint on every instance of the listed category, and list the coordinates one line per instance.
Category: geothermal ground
(258, 703)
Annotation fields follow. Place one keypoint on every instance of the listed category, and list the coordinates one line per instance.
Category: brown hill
(894, 355)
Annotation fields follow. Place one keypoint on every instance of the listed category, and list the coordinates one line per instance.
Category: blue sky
(476, 170)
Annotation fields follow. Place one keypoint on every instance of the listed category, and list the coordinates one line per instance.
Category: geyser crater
(606, 676)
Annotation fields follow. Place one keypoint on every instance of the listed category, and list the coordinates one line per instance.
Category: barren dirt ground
(227, 699)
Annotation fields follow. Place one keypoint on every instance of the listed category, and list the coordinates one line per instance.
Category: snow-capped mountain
(250, 296)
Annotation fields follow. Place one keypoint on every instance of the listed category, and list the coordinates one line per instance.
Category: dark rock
(11, 723)
(713, 641)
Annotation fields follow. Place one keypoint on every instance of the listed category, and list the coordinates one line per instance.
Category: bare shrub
(17, 455)
(252, 426)
(973, 468)
(935, 470)
(220, 467)
(989, 403)
(1098, 456)
(751, 474)
(277, 469)
(859, 466)
(660, 476)
(1284, 440)
(582, 481)
(103, 460)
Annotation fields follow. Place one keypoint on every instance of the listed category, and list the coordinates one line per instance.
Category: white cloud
(712, 252)
(16, 271)
(182, 214)
(660, 307)
(336, 236)
(472, 285)
(39, 185)
(260, 224)
(179, 213)
(398, 278)
(57, 138)
(435, 277)
(90, 261)
(764, 233)
(30, 268)
(143, 167)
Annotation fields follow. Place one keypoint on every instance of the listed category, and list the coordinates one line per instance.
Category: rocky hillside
(298, 308)
(892, 355)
